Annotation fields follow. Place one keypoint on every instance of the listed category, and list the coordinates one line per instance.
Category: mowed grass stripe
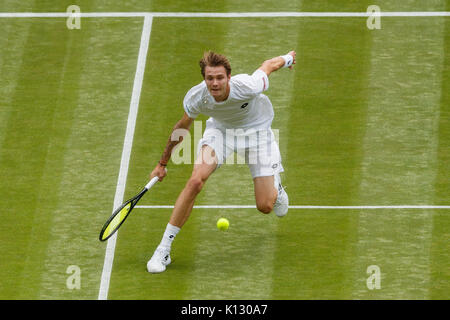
(93, 154)
(10, 63)
(323, 157)
(400, 157)
(28, 150)
(58, 132)
(94, 150)
(47, 158)
(440, 250)
(59, 199)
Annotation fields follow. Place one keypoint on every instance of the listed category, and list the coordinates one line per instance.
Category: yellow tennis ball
(223, 224)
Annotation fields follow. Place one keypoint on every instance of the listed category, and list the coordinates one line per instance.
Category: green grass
(363, 120)
(220, 6)
(60, 151)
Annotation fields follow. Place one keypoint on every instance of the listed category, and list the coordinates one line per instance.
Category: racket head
(118, 217)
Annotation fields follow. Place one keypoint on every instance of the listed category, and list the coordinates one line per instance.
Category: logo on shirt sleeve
(244, 105)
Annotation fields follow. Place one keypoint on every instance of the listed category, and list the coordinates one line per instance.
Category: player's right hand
(159, 171)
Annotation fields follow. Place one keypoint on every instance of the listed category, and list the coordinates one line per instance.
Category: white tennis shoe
(281, 205)
(159, 260)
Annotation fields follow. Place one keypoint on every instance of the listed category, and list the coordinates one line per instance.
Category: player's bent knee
(264, 207)
(195, 184)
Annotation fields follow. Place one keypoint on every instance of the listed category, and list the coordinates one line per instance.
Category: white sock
(169, 235)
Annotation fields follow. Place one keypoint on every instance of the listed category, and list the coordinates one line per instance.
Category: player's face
(216, 79)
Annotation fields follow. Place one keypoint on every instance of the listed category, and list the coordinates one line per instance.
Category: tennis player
(237, 109)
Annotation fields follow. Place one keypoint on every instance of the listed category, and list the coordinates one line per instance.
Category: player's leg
(202, 170)
(212, 152)
(265, 193)
(270, 195)
(183, 206)
(265, 167)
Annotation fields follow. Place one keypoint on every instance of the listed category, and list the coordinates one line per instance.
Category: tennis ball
(223, 224)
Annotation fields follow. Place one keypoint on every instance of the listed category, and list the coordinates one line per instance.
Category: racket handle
(151, 183)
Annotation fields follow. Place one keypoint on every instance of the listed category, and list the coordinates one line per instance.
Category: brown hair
(212, 59)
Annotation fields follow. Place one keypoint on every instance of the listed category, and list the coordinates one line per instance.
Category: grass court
(363, 121)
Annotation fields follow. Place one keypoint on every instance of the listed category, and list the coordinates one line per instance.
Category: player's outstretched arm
(160, 169)
(276, 63)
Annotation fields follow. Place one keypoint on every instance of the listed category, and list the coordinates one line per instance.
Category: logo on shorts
(275, 165)
(244, 105)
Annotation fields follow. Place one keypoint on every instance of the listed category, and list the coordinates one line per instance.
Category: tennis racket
(120, 214)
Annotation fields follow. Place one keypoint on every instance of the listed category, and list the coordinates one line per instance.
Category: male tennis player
(237, 108)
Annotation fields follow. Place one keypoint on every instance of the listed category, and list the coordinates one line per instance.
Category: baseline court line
(220, 14)
(126, 152)
(296, 14)
(305, 207)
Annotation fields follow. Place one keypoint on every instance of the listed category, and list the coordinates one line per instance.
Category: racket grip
(151, 183)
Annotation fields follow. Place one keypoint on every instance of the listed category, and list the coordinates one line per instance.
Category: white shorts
(256, 148)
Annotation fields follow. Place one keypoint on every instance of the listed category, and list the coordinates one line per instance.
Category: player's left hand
(293, 54)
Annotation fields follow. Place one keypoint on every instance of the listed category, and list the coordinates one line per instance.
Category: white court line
(296, 14)
(126, 152)
(301, 207)
(220, 14)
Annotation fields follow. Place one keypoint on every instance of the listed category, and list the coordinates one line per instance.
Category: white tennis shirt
(246, 106)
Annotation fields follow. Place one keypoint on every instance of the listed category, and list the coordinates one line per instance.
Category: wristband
(161, 164)
(288, 60)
